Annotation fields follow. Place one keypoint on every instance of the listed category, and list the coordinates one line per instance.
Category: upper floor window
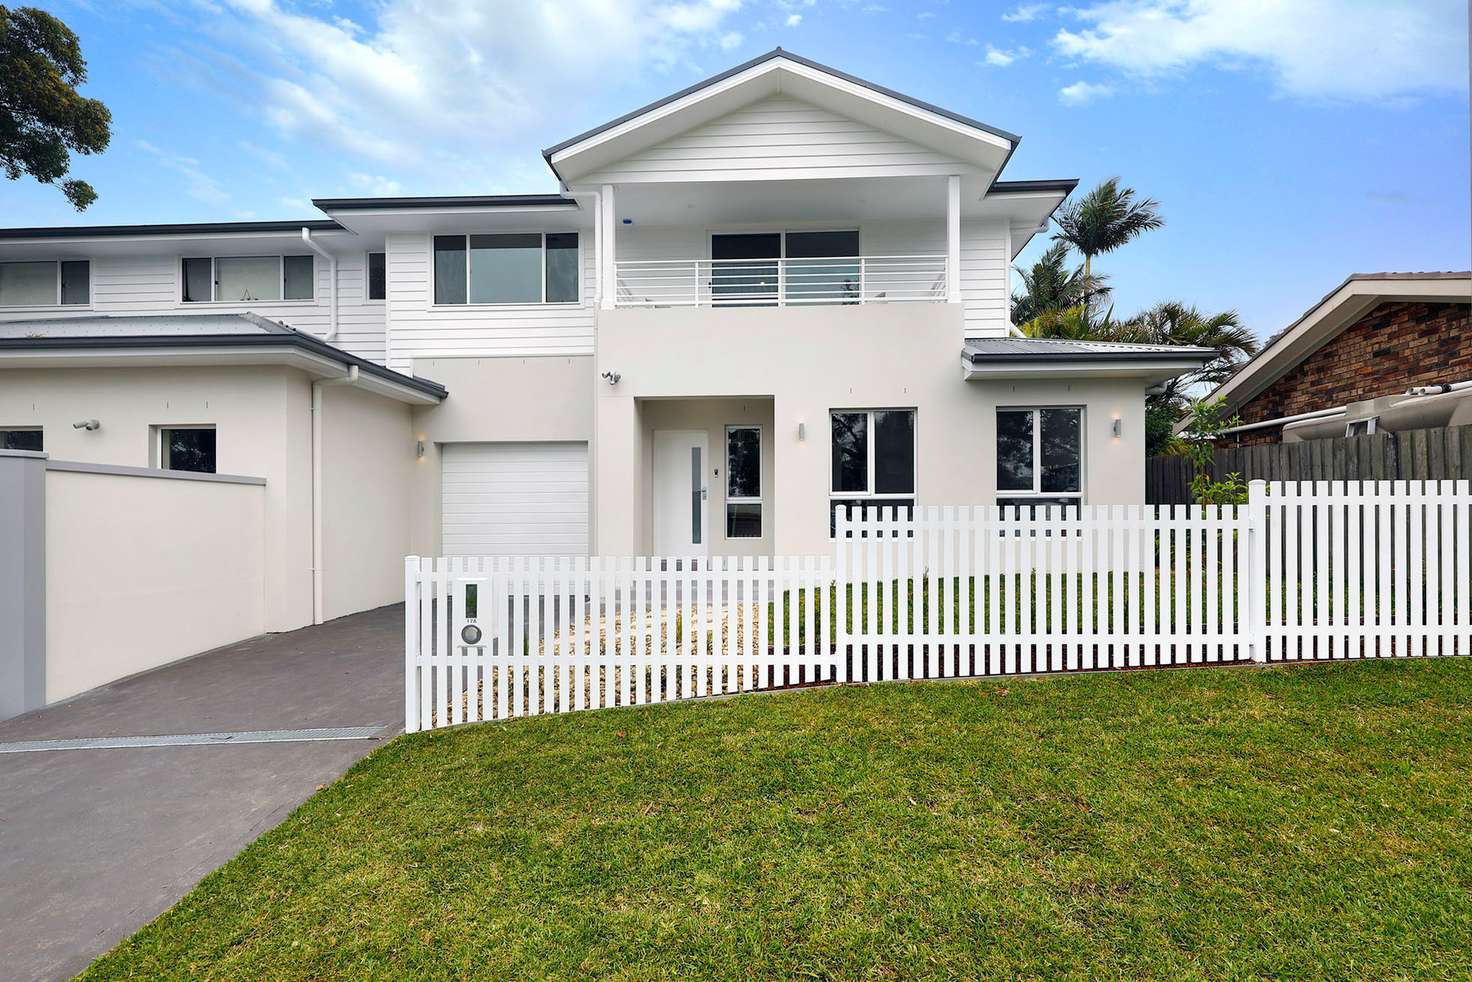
(244, 279)
(1040, 456)
(377, 275)
(45, 283)
(506, 268)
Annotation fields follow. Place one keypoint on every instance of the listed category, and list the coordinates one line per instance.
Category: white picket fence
(1301, 572)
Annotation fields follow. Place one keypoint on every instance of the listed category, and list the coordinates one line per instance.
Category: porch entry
(680, 492)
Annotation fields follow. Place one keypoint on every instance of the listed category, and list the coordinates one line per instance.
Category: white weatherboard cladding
(422, 330)
(778, 138)
(149, 284)
(514, 499)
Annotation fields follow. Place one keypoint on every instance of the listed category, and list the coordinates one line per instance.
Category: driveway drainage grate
(196, 739)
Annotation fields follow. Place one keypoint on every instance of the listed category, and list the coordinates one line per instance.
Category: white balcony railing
(780, 282)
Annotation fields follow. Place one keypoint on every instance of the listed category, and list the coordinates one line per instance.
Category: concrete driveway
(95, 843)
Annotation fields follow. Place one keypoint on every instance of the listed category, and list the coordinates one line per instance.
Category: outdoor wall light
(419, 449)
(802, 431)
(1118, 426)
(86, 424)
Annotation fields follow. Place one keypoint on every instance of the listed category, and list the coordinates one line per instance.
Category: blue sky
(1290, 142)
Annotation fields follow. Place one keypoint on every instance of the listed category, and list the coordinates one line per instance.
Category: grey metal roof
(992, 350)
(195, 228)
(1064, 186)
(443, 201)
(799, 59)
(202, 330)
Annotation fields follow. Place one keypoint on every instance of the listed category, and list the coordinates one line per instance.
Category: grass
(1311, 821)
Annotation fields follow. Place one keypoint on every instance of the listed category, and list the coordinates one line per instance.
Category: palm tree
(1105, 219)
(1051, 285)
(1178, 324)
(1076, 323)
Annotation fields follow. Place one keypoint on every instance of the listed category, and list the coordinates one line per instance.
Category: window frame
(280, 258)
(160, 452)
(900, 499)
(368, 255)
(761, 483)
(56, 302)
(508, 305)
(24, 429)
(1076, 497)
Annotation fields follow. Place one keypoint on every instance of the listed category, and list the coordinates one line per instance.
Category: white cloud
(375, 185)
(1337, 49)
(1024, 13)
(956, 37)
(464, 74)
(731, 39)
(1083, 93)
(794, 19)
(998, 58)
(197, 183)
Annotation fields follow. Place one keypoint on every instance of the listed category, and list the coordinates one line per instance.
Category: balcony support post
(607, 251)
(953, 239)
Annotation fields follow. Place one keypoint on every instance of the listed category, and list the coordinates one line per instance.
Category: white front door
(680, 464)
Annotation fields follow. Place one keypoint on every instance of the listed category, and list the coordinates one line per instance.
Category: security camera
(612, 377)
(86, 424)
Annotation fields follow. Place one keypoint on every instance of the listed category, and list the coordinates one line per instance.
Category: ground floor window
(743, 482)
(21, 438)
(1040, 454)
(187, 448)
(873, 460)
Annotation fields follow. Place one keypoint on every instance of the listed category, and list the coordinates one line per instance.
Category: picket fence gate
(1301, 572)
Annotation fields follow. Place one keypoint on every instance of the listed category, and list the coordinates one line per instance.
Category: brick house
(1354, 355)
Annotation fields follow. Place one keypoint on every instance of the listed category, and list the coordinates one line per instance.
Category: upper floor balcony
(774, 280)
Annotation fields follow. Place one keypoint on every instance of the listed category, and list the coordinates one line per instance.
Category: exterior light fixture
(419, 449)
(802, 431)
(1118, 426)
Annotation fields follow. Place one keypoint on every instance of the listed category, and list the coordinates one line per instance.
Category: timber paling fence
(1441, 454)
(1303, 572)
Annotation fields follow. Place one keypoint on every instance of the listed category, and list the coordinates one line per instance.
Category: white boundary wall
(1309, 572)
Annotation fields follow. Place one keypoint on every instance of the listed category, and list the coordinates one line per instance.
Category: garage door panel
(514, 499)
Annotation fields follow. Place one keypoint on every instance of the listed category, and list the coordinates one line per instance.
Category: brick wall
(1392, 347)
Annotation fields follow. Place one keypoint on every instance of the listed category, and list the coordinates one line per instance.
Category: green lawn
(1206, 822)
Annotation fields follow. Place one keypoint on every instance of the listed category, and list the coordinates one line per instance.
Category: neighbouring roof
(1335, 312)
(195, 228)
(217, 332)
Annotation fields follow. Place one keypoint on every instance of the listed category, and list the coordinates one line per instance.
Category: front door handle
(703, 494)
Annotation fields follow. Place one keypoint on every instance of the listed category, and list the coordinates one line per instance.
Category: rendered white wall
(367, 476)
(812, 360)
(142, 571)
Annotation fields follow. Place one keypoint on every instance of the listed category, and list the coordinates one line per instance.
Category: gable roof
(687, 100)
(1335, 312)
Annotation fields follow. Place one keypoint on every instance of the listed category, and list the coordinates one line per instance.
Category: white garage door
(514, 499)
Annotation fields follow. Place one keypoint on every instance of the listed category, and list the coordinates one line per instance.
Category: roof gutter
(331, 285)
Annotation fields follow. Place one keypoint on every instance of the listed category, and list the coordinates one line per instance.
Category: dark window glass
(199, 281)
(506, 268)
(449, 269)
(1062, 450)
(743, 521)
(76, 276)
(21, 440)
(562, 267)
(744, 270)
(297, 274)
(1014, 450)
(894, 452)
(189, 450)
(820, 268)
(850, 452)
(377, 276)
(897, 508)
(744, 462)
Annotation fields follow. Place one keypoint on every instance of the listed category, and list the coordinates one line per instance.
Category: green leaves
(1105, 219)
(43, 120)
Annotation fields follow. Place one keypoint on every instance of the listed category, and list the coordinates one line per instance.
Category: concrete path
(96, 843)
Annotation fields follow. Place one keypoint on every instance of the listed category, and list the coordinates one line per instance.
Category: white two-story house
(779, 291)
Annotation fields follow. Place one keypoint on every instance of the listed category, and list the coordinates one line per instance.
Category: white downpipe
(351, 378)
(331, 283)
